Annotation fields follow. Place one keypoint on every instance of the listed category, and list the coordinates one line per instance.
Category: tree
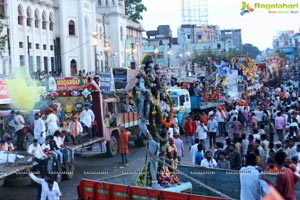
(201, 58)
(3, 36)
(232, 52)
(250, 51)
(134, 9)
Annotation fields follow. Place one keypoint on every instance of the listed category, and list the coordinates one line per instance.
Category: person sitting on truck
(9, 145)
(39, 156)
(2, 145)
(70, 152)
(74, 132)
(47, 149)
(53, 166)
(87, 116)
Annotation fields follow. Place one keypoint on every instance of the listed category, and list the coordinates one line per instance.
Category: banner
(232, 83)
(4, 98)
(67, 83)
(120, 78)
(105, 81)
(200, 71)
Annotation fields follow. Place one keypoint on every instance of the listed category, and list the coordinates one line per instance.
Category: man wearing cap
(51, 122)
(87, 116)
(39, 129)
(74, 130)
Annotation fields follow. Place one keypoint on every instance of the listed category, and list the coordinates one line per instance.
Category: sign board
(120, 78)
(105, 81)
(67, 83)
(4, 98)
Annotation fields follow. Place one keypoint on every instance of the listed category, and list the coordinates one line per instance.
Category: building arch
(71, 25)
(51, 23)
(44, 20)
(20, 14)
(36, 18)
(73, 67)
(29, 16)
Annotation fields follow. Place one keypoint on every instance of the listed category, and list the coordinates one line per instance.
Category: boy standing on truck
(86, 118)
(124, 145)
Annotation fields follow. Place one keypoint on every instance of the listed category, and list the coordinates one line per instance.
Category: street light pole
(95, 44)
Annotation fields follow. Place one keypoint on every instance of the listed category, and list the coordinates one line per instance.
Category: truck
(110, 111)
(184, 104)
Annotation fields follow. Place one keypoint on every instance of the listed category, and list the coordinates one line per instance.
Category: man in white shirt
(202, 133)
(53, 193)
(86, 118)
(194, 149)
(209, 161)
(44, 185)
(51, 122)
(40, 157)
(39, 129)
(8, 146)
(19, 125)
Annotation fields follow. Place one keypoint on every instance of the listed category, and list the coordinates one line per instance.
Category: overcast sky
(258, 27)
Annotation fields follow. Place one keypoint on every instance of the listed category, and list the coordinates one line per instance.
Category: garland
(157, 112)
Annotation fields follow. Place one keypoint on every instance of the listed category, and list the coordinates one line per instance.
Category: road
(106, 166)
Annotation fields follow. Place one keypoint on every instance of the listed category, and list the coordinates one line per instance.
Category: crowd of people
(259, 134)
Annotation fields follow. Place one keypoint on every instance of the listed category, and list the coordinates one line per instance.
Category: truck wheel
(18, 181)
(112, 146)
(69, 171)
(1, 182)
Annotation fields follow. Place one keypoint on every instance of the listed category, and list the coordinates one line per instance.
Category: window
(51, 22)
(46, 64)
(20, 44)
(28, 20)
(29, 45)
(22, 60)
(20, 15)
(38, 63)
(30, 64)
(2, 7)
(106, 2)
(44, 22)
(121, 33)
(71, 27)
(37, 46)
(73, 66)
(44, 47)
(99, 2)
(113, 1)
(36, 20)
(51, 47)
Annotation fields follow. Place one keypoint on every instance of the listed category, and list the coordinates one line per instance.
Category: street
(95, 168)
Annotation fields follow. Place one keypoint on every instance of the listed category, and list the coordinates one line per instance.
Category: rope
(193, 179)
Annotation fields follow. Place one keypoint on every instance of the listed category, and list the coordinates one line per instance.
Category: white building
(68, 36)
(30, 28)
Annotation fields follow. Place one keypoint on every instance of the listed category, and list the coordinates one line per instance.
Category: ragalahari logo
(246, 8)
